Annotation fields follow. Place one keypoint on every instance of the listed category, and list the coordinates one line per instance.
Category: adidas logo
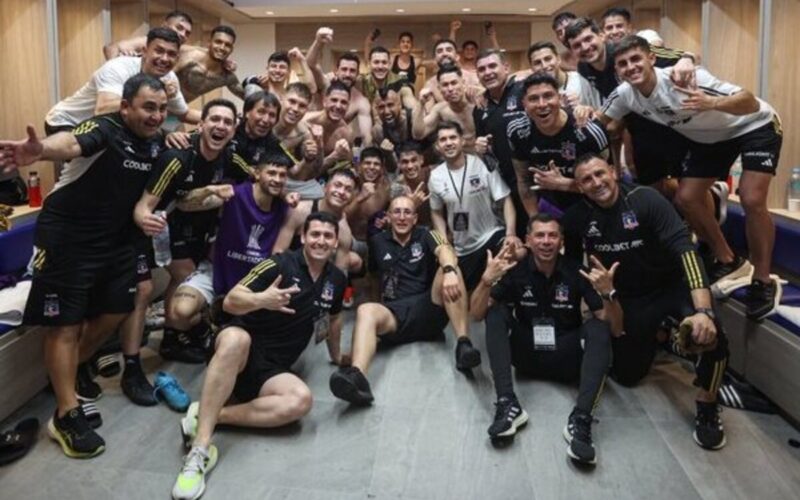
(535, 150)
(388, 256)
(528, 293)
(767, 163)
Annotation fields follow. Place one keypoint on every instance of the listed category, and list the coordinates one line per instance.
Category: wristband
(707, 311)
(610, 296)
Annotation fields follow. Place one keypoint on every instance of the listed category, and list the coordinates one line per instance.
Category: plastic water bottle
(163, 255)
(735, 175)
(794, 191)
(357, 147)
(34, 190)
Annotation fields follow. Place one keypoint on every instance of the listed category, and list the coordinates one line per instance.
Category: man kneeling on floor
(417, 298)
(546, 337)
(278, 306)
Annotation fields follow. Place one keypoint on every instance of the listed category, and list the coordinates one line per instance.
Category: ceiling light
(400, 10)
(466, 9)
(334, 11)
(270, 13)
(532, 9)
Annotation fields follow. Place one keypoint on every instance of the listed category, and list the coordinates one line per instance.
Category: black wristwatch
(610, 296)
(448, 269)
(707, 311)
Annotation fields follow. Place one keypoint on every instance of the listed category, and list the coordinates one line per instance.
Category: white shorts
(308, 190)
(202, 280)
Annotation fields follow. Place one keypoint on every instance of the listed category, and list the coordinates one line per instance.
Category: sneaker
(191, 482)
(347, 298)
(75, 435)
(708, 432)
(762, 299)
(177, 346)
(108, 365)
(719, 192)
(85, 386)
(169, 390)
(349, 384)
(741, 396)
(154, 318)
(578, 433)
(733, 270)
(189, 425)
(508, 417)
(136, 386)
(467, 357)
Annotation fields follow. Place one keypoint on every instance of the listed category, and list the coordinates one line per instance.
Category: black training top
(409, 73)
(252, 150)
(605, 81)
(534, 295)
(528, 144)
(643, 232)
(288, 334)
(92, 204)
(405, 270)
(494, 118)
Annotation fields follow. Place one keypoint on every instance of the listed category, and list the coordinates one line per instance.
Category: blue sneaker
(169, 390)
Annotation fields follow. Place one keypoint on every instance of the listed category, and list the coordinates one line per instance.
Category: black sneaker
(75, 435)
(177, 346)
(708, 432)
(349, 384)
(467, 357)
(508, 417)
(762, 299)
(85, 386)
(739, 267)
(136, 386)
(578, 433)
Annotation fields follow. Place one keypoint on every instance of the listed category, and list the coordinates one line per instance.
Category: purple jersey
(245, 237)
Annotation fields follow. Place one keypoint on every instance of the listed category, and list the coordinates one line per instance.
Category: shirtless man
(371, 201)
(393, 127)
(178, 21)
(381, 77)
(337, 137)
(201, 70)
(276, 78)
(455, 107)
(444, 53)
(338, 193)
(413, 179)
(347, 73)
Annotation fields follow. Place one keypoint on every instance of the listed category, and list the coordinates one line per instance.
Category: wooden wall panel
(128, 19)
(784, 85)
(80, 42)
(27, 100)
(681, 25)
(646, 18)
(733, 41)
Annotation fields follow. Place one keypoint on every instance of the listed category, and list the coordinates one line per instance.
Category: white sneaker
(191, 482)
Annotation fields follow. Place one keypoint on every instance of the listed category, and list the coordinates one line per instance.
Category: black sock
(132, 363)
(464, 340)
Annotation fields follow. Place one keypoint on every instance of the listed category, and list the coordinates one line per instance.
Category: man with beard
(381, 77)
(337, 137)
(201, 70)
(545, 143)
(454, 108)
(444, 54)
(275, 80)
(178, 21)
(394, 127)
(347, 67)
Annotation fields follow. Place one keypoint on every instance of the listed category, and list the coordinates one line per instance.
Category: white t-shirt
(480, 190)
(110, 78)
(664, 106)
(580, 86)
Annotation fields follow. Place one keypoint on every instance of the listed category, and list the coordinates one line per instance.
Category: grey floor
(425, 438)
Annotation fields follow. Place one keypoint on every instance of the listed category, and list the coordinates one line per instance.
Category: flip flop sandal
(17, 443)
(92, 414)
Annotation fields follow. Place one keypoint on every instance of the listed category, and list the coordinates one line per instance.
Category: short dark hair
(449, 125)
(544, 44)
(300, 89)
(616, 11)
(468, 43)
(630, 42)
(405, 33)
(276, 159)
(279, 56)
(161, 33)
(484, 53)
(218, 102)
(261, 96)
(544, 218)
(223, 29)
(443, 41)
(576, 28)
(448, 68)
(346, 172)
(326, 217)
(560, 18)
(179, 13)
(337, 85)
(378, 50)
(409, 147)
(373, 152)
(539, 78)
(348, 56)
(383, 92)
(132, 85)
(586, 158)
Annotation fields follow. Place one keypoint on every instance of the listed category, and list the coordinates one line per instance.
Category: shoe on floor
(708, 431)
(170, 391)
(508, 417)
(349, 384)
(191, 482)
(16, 443)
(107, 365)
(467, 357)
(762, 299)
(135, 385)
(189, 425)
(578, 433)
(85, 386)
(75, 435)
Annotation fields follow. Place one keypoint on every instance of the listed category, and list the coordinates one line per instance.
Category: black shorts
(473, 264)
(658, 151)
(71, 284)
(760, 150)
(188, 242)
(418, 318)
(261, 366)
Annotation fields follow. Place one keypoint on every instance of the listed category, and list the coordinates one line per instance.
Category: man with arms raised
(337, 137)
(178, 21)
(413, 179)
(201, 70)
(454, 108)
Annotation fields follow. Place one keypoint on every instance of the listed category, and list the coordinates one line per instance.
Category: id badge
(544, 334)
(461, 221)
(322, 327)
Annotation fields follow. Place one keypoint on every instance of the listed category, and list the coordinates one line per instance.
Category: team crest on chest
(327, 291)
(474, 182)
(568, 150)
(51, 306)
(511, 105)
(154, 150)
(629, 220)
(416, 250)
(562, 293)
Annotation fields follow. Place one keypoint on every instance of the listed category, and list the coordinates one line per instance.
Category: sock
(132, 363)
(464, 340)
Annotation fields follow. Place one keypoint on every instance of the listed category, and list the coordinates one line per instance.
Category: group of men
(522, 219)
